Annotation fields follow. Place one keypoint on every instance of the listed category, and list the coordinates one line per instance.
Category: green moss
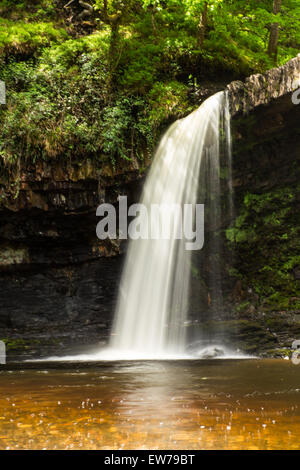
(266, 237)
(21, 346)
(243, 306)
(280, 352)
(23, 38)
(18, 344)
(233, 272)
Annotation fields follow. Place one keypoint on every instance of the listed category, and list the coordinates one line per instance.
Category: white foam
(115, 355)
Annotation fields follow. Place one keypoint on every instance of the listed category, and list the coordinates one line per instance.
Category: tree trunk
(154, 24)
(203, 25)
(113, 42)
(113, 56)
(274, 32)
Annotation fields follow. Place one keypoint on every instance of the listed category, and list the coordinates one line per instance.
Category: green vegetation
(268, 266)
(18, 344)
(102, 81)
(26, 38)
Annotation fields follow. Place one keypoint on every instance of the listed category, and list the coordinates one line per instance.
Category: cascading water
(153, 296)
(153, 305)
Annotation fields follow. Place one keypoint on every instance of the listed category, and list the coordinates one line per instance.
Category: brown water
(246, 404)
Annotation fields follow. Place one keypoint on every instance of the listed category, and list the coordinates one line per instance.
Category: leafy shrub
(168, 100)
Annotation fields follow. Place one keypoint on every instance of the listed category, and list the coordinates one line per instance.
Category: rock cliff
(58, 282)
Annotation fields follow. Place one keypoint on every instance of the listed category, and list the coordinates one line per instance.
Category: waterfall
(152, 307)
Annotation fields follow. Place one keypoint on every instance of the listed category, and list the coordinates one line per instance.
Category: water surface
(216, 404)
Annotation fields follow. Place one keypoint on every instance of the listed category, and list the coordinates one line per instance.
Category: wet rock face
(60, 302)
(266, 164)
(58, 281)
(266, 147)
(62, 187)
(262, 89)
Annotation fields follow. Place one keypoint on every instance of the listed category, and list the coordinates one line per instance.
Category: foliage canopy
(101, 79)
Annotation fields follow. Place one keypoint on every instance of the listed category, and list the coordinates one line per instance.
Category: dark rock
(296, 272)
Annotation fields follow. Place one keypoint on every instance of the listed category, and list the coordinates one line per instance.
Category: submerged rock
(211, 352)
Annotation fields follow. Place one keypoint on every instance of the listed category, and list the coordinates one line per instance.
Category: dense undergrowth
(78, 89)
(266, 235)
